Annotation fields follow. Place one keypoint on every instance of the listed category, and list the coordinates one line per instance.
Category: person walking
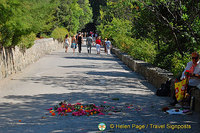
(104, 45)
(89, 42)
(66, 43)
(108, 46)
(98, 45)
(80, 39)
(96, 35)
(73, 43)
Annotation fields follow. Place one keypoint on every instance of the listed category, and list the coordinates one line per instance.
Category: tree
(172, 25)
(26, 18)
(22, 18)
(73, 14)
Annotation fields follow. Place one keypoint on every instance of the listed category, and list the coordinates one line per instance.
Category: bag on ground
(164, 90)
(180, 89)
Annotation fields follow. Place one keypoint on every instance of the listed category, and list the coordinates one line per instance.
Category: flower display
(187, 72)
(79, 109)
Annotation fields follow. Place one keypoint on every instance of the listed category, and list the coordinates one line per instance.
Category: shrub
(179, 63)
(142, 50)
(27, 41)
(59, 33)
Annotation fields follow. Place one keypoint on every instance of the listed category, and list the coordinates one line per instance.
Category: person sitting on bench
(193, 67)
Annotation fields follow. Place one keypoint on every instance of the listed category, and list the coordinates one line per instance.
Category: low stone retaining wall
(153, 75)
(156, 76)
(13, 60)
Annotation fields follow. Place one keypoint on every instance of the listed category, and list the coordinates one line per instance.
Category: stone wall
(13, 60)
(153, 75)
(156, 76)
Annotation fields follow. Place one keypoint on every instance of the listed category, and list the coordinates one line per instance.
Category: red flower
(53, 114)
(187, 72)
(59, 110)
(101, 113)
(50, 109)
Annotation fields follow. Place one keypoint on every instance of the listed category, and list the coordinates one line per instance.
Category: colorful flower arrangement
(79, 109)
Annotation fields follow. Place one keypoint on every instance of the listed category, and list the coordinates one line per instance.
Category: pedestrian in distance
(96, 35)
(85, 34)
(98, 44)
(104, 45)
(108, 46)
(92, 34)
(79, 40)
(66, 43)
(73, 43)
(89, 42)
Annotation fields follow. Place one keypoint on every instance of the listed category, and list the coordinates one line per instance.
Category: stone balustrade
(153, 75)
(15, 59)
(156, 76)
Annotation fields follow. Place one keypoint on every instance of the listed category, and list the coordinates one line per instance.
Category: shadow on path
(31, 113)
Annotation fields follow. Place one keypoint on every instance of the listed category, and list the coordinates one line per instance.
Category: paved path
(86, 79)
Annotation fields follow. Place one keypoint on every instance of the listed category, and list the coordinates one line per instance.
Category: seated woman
(192, 73)
(193, 69)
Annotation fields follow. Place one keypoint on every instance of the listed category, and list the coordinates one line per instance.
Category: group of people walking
(75, 40)
(90, 41)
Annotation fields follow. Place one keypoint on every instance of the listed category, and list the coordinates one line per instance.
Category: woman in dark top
(80, 38)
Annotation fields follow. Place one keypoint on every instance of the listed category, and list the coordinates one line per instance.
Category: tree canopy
(22, 19)
(166, 30)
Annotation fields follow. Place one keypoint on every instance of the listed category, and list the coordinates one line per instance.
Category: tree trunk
(157, 38)
(177, 43)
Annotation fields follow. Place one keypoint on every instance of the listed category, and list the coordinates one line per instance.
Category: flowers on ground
(79, 109)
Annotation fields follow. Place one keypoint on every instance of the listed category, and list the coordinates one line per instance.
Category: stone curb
(154, 75)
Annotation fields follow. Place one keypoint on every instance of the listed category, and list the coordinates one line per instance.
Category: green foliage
(59, 33)
(179, 63)
(143, 50)
(161, 32)
(115, 28)
(22, 18)
(73, 15)
(120, 32)
(26, 41)
(96, 5)
(86, 15)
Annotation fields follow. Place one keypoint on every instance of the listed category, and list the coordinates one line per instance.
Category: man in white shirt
(108, 46)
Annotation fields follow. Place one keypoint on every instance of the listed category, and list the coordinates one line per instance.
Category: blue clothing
(108, 44)
(74, 45)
